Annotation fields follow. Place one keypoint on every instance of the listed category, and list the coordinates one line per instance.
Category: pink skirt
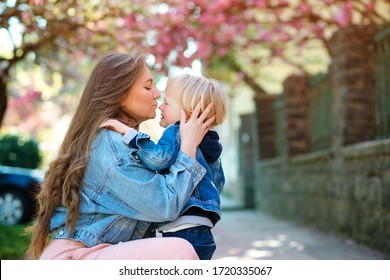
(158, 248)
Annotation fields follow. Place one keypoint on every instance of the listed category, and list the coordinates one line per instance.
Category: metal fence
(383, 84)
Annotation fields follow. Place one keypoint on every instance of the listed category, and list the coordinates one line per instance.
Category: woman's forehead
(146, 75)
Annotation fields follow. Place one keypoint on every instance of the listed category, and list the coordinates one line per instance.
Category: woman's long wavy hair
(110, 81)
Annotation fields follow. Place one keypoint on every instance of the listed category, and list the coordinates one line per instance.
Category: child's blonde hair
(192, 89)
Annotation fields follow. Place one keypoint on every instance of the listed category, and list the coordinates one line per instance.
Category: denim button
(61, 232)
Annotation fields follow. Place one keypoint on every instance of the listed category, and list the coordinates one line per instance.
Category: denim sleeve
(218, 174)
(158, 156)
(133, 191)
(129, 136)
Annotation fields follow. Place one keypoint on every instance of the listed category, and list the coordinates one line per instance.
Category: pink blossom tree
(223, 34)
(228, 34)
(55, 34)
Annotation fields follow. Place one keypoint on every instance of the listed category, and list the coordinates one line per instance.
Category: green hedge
(13, 242)
(19, 151)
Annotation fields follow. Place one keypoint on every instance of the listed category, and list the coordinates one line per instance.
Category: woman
(97, 201)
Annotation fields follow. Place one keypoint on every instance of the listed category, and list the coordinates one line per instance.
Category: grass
(13, 242)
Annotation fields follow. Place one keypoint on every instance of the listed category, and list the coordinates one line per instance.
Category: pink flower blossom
(304, 8)
(344, 14)
(261, 4)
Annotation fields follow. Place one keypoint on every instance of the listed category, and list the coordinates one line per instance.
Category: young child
(202, 210)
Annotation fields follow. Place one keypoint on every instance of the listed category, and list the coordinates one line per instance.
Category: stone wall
(352, 201)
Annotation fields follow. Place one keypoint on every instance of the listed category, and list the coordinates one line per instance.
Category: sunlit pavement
(252, 235)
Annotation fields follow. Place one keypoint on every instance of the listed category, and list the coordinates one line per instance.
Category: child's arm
(153, 156)
(217, 174)
(128, 133)
(211, 149)
(158, 156)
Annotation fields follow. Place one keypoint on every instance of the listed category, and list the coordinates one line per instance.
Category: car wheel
(13, 207)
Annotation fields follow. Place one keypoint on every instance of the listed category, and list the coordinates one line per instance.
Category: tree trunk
(3, 98)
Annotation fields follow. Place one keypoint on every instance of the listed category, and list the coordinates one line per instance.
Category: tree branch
(250, 81)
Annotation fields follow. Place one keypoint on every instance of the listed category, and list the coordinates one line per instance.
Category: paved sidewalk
(252, 235)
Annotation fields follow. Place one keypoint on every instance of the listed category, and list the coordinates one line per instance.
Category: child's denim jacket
(160, 156)
(120, 197)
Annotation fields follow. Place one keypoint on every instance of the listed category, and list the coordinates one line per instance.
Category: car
(18, 188)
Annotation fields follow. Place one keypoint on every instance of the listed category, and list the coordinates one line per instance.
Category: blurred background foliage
(14, 242)
(19, 151)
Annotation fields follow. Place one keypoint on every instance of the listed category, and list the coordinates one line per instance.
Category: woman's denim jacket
(120, 197)
(160, 156)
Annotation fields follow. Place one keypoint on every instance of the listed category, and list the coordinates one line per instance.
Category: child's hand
(194, 129)
(115, 125)
(188, 116)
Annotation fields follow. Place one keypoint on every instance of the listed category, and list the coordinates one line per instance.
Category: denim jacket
(205, 199)
(120, 198)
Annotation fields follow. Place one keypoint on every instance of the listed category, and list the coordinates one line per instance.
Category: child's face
(170, 110)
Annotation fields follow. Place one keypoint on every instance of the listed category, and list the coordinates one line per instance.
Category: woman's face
(140, 102)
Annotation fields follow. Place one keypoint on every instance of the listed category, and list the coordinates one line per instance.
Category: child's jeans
(200, 237)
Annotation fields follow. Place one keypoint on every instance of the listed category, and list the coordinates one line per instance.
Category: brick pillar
(297, 106)
(353, 67)
(265, 115)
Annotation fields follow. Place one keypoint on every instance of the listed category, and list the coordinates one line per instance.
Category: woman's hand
(115, 125)
(194, 129)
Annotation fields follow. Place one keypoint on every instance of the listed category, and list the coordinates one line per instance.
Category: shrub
(19, 151)
(13, 242)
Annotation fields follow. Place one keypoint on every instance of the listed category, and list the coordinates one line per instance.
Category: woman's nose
(156, 94)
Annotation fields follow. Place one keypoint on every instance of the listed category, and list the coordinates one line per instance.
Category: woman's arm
(136, 192)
